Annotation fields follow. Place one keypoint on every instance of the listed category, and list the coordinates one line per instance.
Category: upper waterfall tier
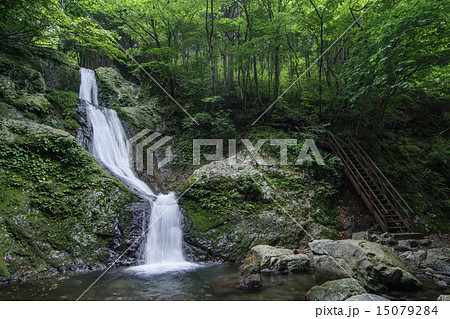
(109, 142)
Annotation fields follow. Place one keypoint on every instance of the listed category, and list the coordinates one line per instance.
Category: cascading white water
(165, 237)
(109, 143)
(164, 246)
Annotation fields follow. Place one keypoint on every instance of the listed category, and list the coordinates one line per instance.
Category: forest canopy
(349, 59)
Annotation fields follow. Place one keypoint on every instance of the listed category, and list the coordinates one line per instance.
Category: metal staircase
(381, 198)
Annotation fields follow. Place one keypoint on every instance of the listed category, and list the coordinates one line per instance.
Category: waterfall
(163, 249)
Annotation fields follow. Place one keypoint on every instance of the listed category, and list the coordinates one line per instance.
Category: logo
(145, 142)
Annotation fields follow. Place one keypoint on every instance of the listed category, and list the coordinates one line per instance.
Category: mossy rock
(336, 290)
(36, 103)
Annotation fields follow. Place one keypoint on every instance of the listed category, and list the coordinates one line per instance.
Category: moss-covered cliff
(58, 210)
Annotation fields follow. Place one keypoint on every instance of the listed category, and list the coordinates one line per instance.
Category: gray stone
(415, 257)
(272, 259)
(439, 260)
(367, 297)
(407, 244)
(336, 290)
(363, 235)
(376, 266)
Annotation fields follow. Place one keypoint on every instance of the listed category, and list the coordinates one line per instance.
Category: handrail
(393, 199)
(356, 175)
(393, 191)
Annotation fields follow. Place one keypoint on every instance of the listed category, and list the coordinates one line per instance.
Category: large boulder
(336, 290)
(272, 259)
(438, 259)
(375, 265)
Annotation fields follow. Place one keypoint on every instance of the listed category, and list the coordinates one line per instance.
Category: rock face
(114, 88)
(272, 259)
(58, 211)
(367, 297)
(439, 260)
(376, 266)
(336, 290)
(229, 209)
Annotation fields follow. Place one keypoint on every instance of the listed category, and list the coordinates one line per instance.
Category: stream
(206, 282)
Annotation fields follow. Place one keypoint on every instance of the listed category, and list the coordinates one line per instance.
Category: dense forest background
(376, 70)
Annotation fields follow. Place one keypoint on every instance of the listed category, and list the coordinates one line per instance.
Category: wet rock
(250, 276)
(367, 297)
(376, 266)
(85, 131)
(251, 281)
(336, 290)
(272, 259)
(438, 259)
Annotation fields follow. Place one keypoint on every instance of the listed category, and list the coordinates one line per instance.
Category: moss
(36, 104)
(214, 203)
(3, 270)
(252, 268)
(63, 107)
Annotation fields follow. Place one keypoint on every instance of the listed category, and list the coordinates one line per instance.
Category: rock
(114, 88)
(384, 239)
(376, 266)
(415, 257)
(36, 103)
(58, 75)
(367, 297)
(7, 87)
(444, 298)
(363, 235)
(318, 231)
(425, 242)
(441, 283)
(250, 276)
(251, 281)
(438, 259)
(272, 259)
(407, 244)
(336, 290)
(10, 112)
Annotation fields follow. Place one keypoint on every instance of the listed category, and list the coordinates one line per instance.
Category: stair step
(408, 236)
